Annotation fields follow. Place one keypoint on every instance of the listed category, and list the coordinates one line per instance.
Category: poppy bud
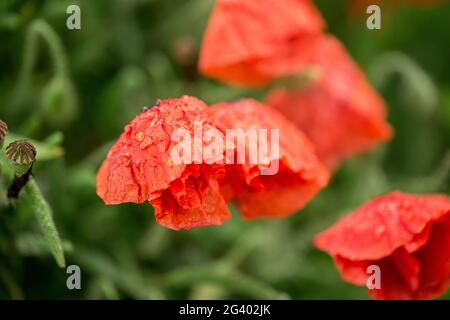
(184, 51)
(59, 102)
(3, 132)
(22, 155)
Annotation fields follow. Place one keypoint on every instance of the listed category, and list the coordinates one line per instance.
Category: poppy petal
(212, 210)
(237, 37)
(435, 258)
(382, 225)
(141, 165)
(299, 177)
(340, 112)
(406, 236)
(352, 271)
(392, 285)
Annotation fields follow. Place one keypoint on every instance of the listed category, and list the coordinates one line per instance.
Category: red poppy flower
(406, 236)
(340, 112)
(296, 175)
(140, 167)
(242, 34)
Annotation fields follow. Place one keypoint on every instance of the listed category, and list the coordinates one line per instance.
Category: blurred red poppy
(140, 167)
(340, 112)
(407, 236)
(297, 175)
(242, 34)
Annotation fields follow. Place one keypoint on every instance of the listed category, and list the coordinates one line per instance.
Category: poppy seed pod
(3, 132)
(405, 236)
(22, 155)
(275, 171)
(145, 165)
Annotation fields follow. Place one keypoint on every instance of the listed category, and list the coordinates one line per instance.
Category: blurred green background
(76, 89)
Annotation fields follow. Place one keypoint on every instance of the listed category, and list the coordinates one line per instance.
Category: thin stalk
(44, 214)
(38, 28)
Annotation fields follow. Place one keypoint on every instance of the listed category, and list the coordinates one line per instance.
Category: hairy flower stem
(44, 215)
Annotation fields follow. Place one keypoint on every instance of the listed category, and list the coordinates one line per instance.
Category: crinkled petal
(212, 210)
(340, 112)
(119, 187)
(143, 164)
(241, 33)
(383, 225)
(352, 271)
(435, 259)
(299, 176)
(393, 286)
(399, 274)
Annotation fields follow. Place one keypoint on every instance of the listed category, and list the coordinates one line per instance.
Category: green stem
(222, 274)
(242, 248)
(44, 215)
(38, 28)
(416, 86)
(14, 290)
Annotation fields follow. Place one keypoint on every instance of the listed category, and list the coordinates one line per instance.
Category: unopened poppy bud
(22, 154)
(3, 132)
(184, 50)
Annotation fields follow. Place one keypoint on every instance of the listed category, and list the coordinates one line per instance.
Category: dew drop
(139, 136)
(380, 230)
(153, 122)
(125, 159)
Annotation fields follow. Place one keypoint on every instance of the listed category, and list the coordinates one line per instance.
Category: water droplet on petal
(380, 230)
(125, 159)
(139, 136)
(153, 122)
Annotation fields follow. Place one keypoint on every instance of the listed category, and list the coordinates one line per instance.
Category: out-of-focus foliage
(87, 84)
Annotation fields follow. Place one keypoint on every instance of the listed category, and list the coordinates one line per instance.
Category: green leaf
(44, 215)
